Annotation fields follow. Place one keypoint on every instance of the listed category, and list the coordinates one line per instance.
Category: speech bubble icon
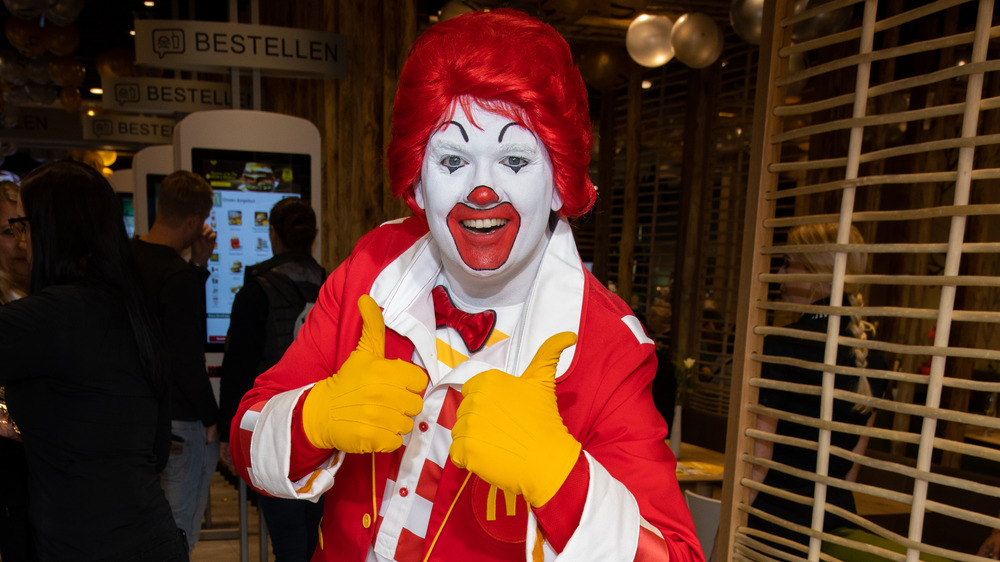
(103, 127)
(125, 93)
(168, 41)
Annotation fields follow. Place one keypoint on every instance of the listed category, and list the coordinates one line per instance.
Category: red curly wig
(508, 63)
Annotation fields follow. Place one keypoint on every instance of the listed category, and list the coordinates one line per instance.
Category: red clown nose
(483, 196)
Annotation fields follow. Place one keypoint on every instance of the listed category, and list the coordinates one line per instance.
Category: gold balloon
(68, 72)
(697, 40)
(602, 65)
(89, 157)
(62, 40)
(71, 99)
(26, 36)
(117, 61)
(108, 157)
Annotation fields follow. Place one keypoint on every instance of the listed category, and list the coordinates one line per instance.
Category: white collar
(554, 302)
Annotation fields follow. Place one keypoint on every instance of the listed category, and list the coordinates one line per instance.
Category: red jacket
(603, 396)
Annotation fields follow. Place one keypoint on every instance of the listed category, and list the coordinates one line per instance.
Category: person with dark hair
(175, 289)
(17, 538)
(82, 369)
(266, 315)
(464, 389)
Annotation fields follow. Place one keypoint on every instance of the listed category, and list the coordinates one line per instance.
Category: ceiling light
(646, 84)
(132, 33)
(91, 112)
(96, 91)
(149, 3)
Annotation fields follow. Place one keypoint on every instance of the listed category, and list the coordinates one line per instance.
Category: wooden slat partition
(897, 132)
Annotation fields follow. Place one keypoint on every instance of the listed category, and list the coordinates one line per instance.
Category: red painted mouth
(484, 237)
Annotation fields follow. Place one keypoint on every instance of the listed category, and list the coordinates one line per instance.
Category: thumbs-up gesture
(370, 403)
(509, 431)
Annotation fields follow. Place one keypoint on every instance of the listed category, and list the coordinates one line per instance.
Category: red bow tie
(474, 328)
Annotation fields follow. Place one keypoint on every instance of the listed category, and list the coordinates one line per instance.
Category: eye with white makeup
(514, 163)
(453, 163)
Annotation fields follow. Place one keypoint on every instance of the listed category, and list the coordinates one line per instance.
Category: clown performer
(463, 388)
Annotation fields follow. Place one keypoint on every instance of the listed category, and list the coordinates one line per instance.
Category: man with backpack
(266, 315)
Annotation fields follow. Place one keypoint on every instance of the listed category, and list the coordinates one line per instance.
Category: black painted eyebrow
(462, 129)
(504, 130)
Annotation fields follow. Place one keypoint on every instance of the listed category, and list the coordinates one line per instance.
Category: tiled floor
(220, 542)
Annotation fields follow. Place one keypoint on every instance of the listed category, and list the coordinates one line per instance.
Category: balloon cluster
(747, 19)
(694, 39)
(40, 68)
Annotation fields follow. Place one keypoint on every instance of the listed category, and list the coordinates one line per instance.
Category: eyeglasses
(18, 228)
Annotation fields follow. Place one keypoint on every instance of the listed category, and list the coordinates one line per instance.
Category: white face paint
(487, 190)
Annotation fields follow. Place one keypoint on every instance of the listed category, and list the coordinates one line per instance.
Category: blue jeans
(188, 475)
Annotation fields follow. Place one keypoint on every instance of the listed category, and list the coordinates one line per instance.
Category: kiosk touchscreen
(252, 160)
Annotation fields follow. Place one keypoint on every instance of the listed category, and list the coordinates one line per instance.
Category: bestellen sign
(199, 45)
(128, 128)
(164, 95)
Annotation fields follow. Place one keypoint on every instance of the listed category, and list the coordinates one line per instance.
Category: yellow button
(366, 521)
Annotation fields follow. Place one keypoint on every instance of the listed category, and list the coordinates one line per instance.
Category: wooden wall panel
(352, 113)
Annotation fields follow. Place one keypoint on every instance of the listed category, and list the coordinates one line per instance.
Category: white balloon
(796, 63)
(697, 40)
(38, 70)
(26, 9)
(454, 8)
(64, 12)
(13, 67)
(648, 40)
(17, 96)
(42, 94)
(823, 23)
(747, 17)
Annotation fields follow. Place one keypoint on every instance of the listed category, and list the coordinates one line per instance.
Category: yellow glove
(509, 431)
(370, 403)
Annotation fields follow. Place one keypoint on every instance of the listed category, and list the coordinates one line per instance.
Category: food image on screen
(246, 185)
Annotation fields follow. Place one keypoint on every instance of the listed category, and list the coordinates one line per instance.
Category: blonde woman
(814, 292)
